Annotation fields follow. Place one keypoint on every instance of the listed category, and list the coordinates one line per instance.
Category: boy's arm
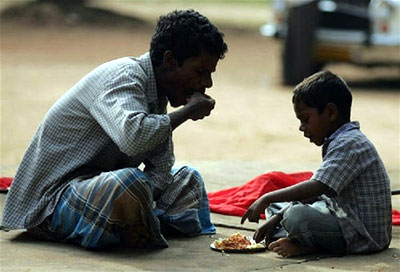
(269, 227)
(300, 191)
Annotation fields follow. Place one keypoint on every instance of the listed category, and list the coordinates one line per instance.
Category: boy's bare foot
(289, 248)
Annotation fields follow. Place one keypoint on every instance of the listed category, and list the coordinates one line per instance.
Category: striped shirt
(111, 119)
(360, 195)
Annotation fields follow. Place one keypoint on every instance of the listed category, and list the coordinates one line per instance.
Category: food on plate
(236, 241)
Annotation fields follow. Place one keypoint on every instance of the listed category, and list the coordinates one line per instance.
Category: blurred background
(47, 46)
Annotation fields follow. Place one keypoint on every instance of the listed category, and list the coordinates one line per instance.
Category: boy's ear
(169, 62)
(332, 111)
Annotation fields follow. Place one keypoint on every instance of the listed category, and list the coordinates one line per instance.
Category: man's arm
(198, 107)
(300, 191)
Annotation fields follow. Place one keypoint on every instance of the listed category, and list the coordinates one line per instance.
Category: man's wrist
(178, 117)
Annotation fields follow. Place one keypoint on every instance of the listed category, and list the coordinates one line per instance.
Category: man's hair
(187, 34)
(322, 88)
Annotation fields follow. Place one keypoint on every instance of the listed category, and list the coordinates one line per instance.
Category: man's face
(315, 126)
(194, 75)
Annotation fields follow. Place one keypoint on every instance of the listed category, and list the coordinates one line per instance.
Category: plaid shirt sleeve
(123, 112)
(341, 165)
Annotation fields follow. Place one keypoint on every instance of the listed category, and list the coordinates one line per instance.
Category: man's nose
(207, 82)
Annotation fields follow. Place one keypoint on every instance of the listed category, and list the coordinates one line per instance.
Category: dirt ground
(253, 120)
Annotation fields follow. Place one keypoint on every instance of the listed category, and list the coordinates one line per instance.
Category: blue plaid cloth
(88, 212)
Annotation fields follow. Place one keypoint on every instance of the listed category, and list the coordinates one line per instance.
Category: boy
(352, 213)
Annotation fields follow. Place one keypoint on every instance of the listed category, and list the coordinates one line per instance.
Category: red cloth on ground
(236, 200)
(396, 217)
(5, 183)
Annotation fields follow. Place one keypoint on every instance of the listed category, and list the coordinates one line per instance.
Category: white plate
(245, 250)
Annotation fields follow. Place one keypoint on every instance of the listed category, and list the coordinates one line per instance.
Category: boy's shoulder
(350, 133)
(350, 139)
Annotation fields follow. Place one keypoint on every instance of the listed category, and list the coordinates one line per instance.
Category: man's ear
(332, 111)
(169, 62)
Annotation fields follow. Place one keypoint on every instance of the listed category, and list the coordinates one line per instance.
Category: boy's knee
(296, 218)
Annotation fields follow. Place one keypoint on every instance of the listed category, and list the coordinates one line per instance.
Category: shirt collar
(147, 66)
(344, 128)
(157, 104)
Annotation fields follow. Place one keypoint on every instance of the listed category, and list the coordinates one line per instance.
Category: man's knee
(129, 175)
(125, 207)
(189, 171)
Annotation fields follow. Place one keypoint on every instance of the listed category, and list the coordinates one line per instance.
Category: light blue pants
(312, 225)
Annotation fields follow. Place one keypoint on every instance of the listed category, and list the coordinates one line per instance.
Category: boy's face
(194, 75)
(315, 126)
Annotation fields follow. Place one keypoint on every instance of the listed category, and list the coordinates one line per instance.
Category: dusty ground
(253, 121)
(252, 129)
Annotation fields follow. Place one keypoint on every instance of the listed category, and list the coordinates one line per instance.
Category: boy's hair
(187, 34)
(322, 88)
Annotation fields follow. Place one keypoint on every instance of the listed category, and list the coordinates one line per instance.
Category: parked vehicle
(317, 32)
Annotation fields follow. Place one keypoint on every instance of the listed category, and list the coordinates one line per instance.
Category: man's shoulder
(126, 64)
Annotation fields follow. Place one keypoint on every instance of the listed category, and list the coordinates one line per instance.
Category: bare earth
(253, 121)
(252, 130)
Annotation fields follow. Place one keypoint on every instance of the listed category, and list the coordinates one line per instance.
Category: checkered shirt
(360, 195)
(111, 119)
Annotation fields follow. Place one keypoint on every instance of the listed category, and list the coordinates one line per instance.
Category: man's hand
(267, 229)
(258, 207)
(199, 106)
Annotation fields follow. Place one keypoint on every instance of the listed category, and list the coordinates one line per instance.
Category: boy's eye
(304, 120)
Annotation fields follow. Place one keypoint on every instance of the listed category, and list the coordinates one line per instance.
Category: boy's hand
(267, 229)
(253, 213)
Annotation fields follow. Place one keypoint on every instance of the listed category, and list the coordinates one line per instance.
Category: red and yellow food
(236, 241)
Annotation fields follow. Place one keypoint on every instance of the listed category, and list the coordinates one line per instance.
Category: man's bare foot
(288, 248)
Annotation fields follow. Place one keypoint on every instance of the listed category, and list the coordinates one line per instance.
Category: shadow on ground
(51, 14)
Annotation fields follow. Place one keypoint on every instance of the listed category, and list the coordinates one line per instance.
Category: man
(98, 171)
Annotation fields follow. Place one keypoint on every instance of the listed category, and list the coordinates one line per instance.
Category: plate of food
(237, 243)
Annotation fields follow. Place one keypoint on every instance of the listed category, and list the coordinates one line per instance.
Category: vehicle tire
(297, 61)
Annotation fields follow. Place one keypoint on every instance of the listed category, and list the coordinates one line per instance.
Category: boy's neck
(336, 126)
